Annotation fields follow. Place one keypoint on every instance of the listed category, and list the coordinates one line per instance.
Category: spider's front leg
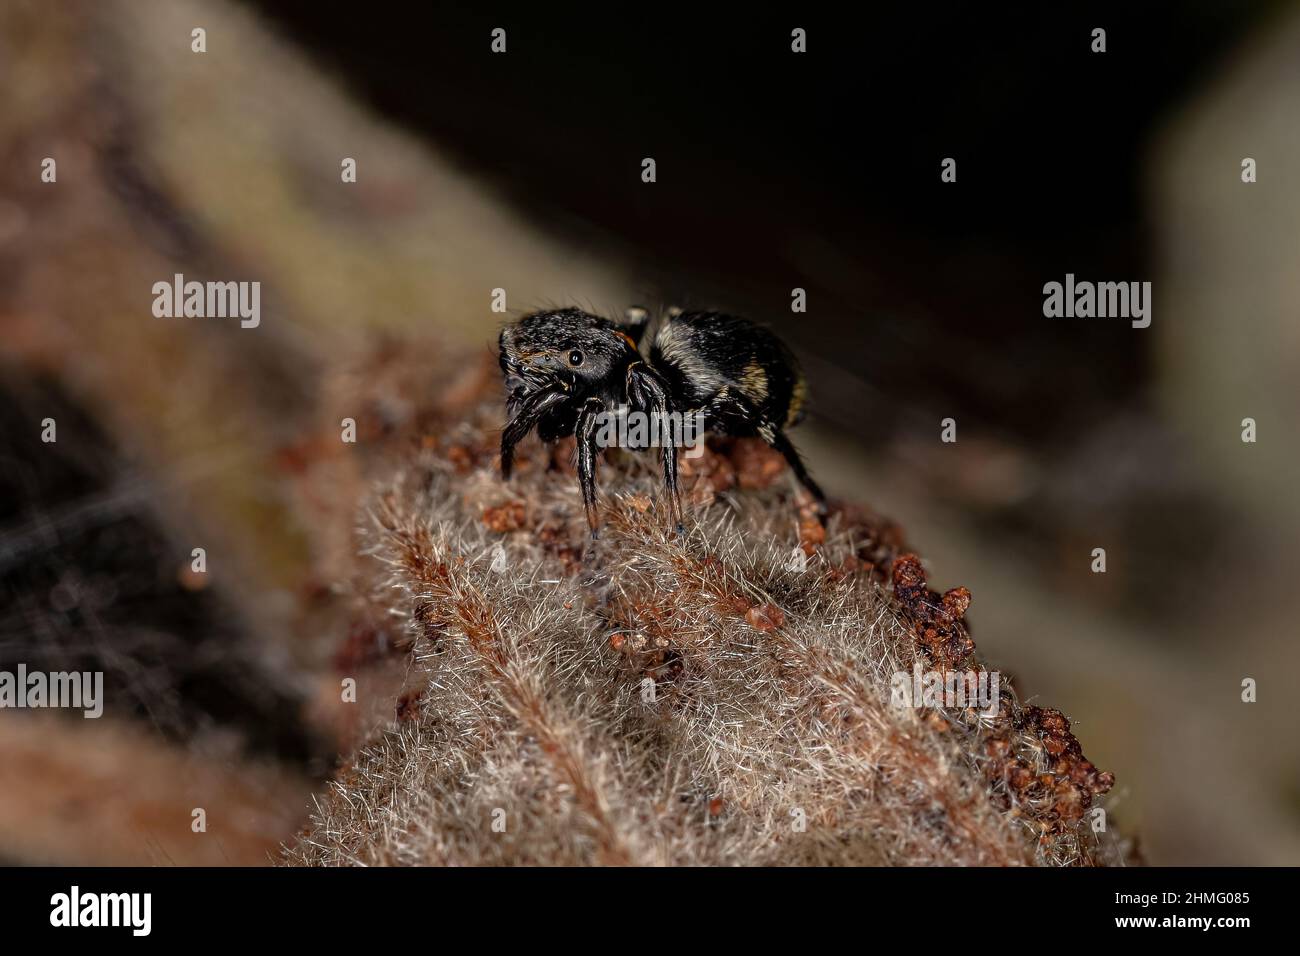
(648, 392)
(585, 431)
(529, 411)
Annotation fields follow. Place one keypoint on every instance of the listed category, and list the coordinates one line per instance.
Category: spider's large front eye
(575, 358)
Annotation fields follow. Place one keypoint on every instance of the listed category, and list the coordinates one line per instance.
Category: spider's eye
(575, 358)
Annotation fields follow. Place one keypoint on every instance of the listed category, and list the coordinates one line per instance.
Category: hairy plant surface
(722, 698)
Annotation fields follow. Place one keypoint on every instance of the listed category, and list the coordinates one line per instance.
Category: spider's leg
(588, 419)
(530, 409)
(775, 437)
(728, 406)
(670, 482)
(649, 392)
(635, 322)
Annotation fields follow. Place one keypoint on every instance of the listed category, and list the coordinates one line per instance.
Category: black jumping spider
(564, 368)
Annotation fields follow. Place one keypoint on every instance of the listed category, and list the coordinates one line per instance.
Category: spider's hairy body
(565, 368)
(703, 354)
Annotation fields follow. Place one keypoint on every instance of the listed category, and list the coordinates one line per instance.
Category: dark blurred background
(775, 170)
(821, 172)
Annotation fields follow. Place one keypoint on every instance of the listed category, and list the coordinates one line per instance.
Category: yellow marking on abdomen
(753, 382)
(798, 395)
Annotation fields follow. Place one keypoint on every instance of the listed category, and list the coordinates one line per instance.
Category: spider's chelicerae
(565, 368)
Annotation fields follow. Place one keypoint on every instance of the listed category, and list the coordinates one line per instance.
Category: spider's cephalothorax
(564, 369)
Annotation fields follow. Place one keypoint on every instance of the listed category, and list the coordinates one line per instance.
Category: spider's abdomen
(711, 359)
